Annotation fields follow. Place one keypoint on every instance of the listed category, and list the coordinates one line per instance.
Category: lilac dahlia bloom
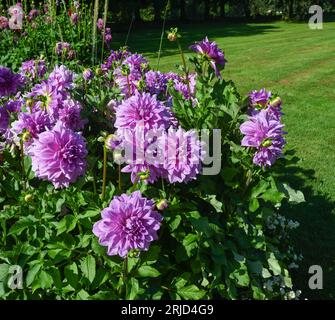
(33, 14)
(61, 78)
(142, 109)
(265, 133)
(59, 156)
(4, 120)
(156, 82)
(180, 85)
(33, 123)
(261, 97)
(69, 115)
(212, 52)
(33, 69)
(3, 22)
(129, 222)
(14, 105)
(114, 58)
(183, 155)
(87, 74)
(9, 82)
(74, 18)
(100, 24)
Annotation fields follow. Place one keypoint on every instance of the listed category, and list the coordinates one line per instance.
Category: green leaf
(67, 224)
(175, 222)
(45, 280)
(32, 274)
(274, 265)
(88, 267)
(190, 244)
(253, 205)
(191, 292)
(148, 271)
(22, 224)
(133, 288)
(71, 274)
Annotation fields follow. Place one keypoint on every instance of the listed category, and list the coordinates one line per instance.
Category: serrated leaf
(88, 267)
(191, 292)
(148, 271)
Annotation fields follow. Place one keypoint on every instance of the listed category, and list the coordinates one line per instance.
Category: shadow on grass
(315, 238)
(147, 40)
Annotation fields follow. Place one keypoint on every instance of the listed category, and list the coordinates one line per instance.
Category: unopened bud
(26, 136)
(28, 198)
(276, 103)
(98, 71)
(162, 204)
(144, 175)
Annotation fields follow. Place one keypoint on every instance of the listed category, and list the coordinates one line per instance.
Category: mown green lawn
(299, 65)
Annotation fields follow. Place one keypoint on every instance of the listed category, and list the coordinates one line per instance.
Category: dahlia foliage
(106, 187)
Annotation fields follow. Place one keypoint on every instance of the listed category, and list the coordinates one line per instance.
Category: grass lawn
(299, 65)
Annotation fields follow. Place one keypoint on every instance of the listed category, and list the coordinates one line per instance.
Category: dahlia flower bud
(112, 142)
(98, 71)
(74, 18)
(100, 24)
(162, 204)
(144, 175)
(276, 102)
(26, 136)
(117, 156)
(172, 36)
(87, 74)
(28, 198)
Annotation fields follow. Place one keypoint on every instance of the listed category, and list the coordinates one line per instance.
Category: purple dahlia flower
(59, 156)
(32, 123)
(33, 13)
(4, 120)
(3, 22)
(180, 85)
(100, 24)
(129, 222)
(142, 109)
(265, 133)
(212, 52)
(61, 78)
(156, 82)
(87, 74)
(33, 69)
(183, 155)
(69, 115)
(9, 82)
(74, 18)
(14, 105)
(261, 97)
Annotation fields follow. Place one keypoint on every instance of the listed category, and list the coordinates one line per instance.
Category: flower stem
(104, 174)
(185, 68)
(119, 171)
(22, 165)
(125, 275)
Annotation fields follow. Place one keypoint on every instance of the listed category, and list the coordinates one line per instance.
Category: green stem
(125, 274)
(185, 68)
(22, 166)
(104, 174)
(162, 35)
(119, 171)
